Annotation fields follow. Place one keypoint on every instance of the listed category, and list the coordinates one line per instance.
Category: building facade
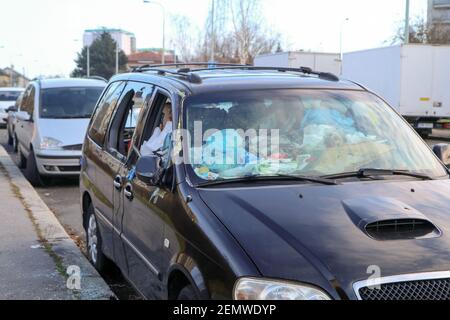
(126, 40)
(439, 12)
(11, 78)
(150, 56)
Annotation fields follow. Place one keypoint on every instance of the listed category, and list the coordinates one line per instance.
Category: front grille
(69, 168)
(432, 289)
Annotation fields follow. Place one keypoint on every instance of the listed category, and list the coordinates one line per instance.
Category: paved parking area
(62, 197)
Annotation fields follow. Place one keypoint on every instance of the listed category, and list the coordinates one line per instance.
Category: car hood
(68, 131)
(312, 233)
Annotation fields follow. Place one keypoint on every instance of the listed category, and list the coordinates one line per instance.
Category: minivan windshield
(68, 103)
(9, 95)
(311, 133)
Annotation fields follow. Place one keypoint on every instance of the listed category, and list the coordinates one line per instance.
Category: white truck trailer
(319, 61)
(414, 79)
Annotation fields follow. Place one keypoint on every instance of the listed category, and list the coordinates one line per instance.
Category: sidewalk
(35, 250)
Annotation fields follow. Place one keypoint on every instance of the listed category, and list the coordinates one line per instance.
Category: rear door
(417, 81)
(440, 98)
(100, 167)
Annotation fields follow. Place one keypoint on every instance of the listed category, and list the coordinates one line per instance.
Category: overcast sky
(43, 36)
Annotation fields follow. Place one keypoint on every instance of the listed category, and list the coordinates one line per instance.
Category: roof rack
(305, 70)
(191, 76)
(211, 65)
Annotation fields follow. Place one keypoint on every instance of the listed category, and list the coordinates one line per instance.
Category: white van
(51, 126)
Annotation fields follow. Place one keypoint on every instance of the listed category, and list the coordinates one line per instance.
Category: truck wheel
(14, 143)
(424, 133)
(10, 139)
(94, 242)
(31, 171)
(22, 160)
(187, 293)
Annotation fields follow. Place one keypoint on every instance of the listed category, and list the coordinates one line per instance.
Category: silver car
(51, 125)
(8, 97)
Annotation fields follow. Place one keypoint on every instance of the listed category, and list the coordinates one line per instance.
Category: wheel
(187, 293)
(424, 133)
(10, 139)
(15, 144)
(22, 160)
(94, 242)
(31, 171)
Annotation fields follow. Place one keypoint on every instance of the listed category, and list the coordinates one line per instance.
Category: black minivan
(252, 183)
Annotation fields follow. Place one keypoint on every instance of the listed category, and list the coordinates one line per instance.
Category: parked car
(51, 124)
(8, 97)
(346, 191)
(11, 121)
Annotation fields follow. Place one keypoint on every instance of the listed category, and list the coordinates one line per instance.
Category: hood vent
(398, 229)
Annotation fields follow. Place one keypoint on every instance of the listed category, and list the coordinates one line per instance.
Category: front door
(135, 100)
(143, 217)
(25, 129)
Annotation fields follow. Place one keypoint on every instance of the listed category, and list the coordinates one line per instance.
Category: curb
(93, 287)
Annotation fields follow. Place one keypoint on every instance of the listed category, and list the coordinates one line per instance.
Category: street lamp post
(117, 57)
(213, 31)
(341, 38)
(407, 22)
(88, 62)
(341, 53)
(88, 59)
(163, 58)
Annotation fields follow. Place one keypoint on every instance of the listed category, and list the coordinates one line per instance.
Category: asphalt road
(62, 197)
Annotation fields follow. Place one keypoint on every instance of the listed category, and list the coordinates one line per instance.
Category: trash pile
(331, 140)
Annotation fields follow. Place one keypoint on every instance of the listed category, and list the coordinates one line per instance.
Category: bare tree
(423, 32)
(184, 38)
(251, 35)
(235, 30)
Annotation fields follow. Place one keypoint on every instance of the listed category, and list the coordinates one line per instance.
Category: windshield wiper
(367, 173)
(252, 178)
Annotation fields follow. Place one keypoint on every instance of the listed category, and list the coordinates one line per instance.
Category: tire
(187, 294)
(22, 160)
(10, 138)
(94, 242)
(31, 171)
(424, 133)
(15, 144)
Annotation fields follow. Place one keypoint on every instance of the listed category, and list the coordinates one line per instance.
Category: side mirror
(23, 116)
(148, 169)
(442, 151)
(11, 109)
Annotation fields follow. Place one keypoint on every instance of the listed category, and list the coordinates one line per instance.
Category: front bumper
(58, 163)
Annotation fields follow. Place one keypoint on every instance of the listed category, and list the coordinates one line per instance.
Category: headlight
(50, 144)
(264, 289)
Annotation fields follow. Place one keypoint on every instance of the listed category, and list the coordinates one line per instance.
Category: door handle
(128, 192)
(118, 183)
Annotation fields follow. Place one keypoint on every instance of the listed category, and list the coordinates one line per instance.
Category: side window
(158, 127)
(134, 100)
(28, 100)
(104, 111)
